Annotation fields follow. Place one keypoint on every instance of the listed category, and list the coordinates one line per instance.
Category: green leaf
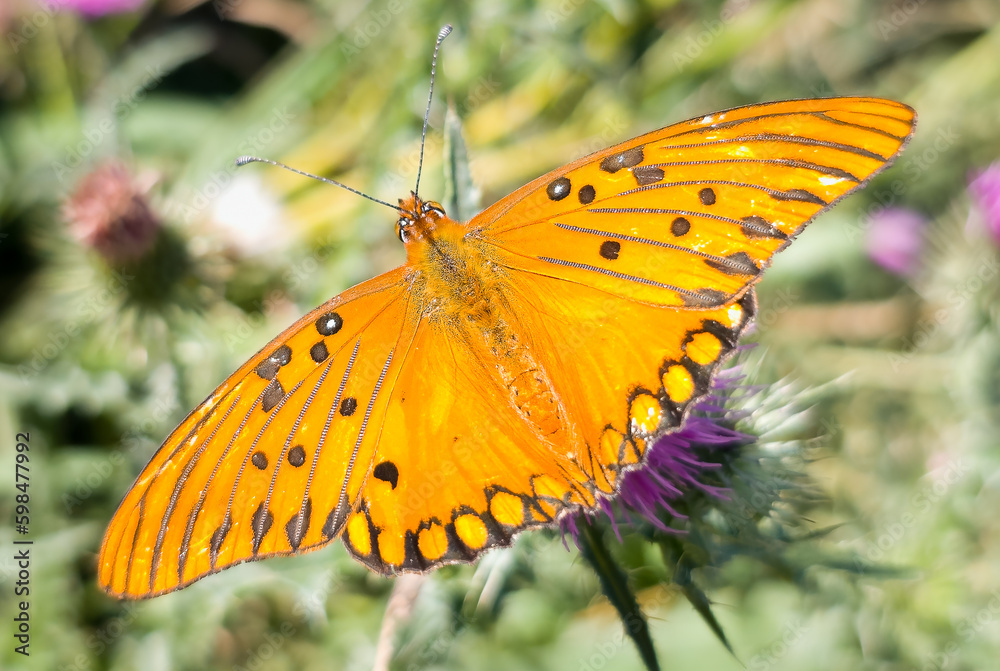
(698, 598)
(461, 195)
(615, 585)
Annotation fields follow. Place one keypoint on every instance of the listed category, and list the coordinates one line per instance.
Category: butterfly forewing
(260, 468)
(689, 215)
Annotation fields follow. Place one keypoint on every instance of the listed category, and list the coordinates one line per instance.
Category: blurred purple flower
(109, 212)
(985, 190)
(672, 467)
(95, 7)
(895, 240)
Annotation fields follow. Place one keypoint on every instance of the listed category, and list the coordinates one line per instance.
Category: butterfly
(513, 369)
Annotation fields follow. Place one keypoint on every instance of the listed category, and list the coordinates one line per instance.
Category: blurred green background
(138, 268)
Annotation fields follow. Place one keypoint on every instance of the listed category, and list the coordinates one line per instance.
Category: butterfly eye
(431, 206)
(401, 230)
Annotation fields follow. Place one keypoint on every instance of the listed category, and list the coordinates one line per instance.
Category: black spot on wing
(647, 174)
(297, 456)
(626, 159)
(559, 188)
(758, 227)
(739, 263)
(259, 459)
(329, 323)
(282, 355)
(267, 369)
(273, 393)
(296, 527)
(610, 249)
(348, 406)
(387, 472)
(704, 298)
(800, 195)
(218, 536)
(336, 518)
(319, 352)
(261, 524)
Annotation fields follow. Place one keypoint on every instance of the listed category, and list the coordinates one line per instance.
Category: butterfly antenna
(243, 160)
(430, 94)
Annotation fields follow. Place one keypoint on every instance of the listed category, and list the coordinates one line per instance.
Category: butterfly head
(417, 218)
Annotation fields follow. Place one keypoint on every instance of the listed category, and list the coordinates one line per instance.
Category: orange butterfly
(513, 369)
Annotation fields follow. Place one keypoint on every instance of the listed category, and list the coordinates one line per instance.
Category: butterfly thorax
(452, 272)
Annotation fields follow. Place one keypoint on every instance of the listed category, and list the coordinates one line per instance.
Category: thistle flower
(674, 466)
(985, 189)
(109, 213)
(895, 240)
(95, 8)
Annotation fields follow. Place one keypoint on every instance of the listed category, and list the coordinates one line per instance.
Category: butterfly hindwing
(691, 214)
(457, 470)
(629, 371)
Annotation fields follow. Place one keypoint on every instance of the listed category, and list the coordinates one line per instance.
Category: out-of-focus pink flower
(108, 212)
(95, 7)
(985, 190)
(896, 240)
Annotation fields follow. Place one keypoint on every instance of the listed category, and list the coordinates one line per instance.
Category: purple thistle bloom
(985, 190)
(673, 468)
(93, 8)
(110, 213)
(895, 240)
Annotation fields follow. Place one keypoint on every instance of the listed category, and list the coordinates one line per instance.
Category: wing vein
(168, 513)
(364, 426)
(239, 474)
(284, 449)
(724, 125)
(193, 518)
(326, 428)
(774, 193)
(777, 137)
(644, 241)
(617, 275)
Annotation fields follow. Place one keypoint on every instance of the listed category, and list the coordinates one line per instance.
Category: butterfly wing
(631, 268)
(690, 214)
(628, 371)
(457, 470)
(258, 469)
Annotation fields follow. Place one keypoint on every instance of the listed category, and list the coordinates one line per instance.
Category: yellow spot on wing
(432, 542)
(391, 547)
(633, 450)
(645, 414)
(471, 530)
(507, 509)
(678, 383)
(357, 533)
(704, 348)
